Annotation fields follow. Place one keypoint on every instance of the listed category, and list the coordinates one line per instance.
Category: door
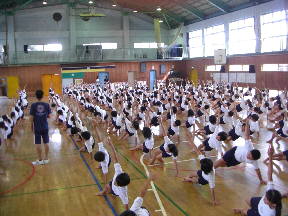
(131, 78)
(152, 79)
(194, 76)
(57, 83)
(51, 81)
(12, 86)
(102, 76)
(3, 86)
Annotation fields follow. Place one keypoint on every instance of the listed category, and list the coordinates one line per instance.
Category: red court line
(27, 179)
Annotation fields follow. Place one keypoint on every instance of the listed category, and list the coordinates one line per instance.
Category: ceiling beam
(174, 16)
(199, 14)
(220, 5)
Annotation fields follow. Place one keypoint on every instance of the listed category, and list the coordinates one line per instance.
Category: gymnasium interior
(137, 50)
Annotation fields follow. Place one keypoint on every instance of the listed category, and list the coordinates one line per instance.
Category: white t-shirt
(89, 143)
(191, 120)
(167, 141)
(264, 209)
(149, 143)
(213, 142)
(122, 192)
(210, 177)
(238, 128)
(136, 207)
(254, 126)
(105, 163)
(242, 151)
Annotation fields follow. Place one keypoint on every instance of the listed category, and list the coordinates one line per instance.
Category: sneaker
(46, 161)
(37, 162)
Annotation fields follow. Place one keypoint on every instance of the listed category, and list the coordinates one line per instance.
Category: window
(213, 68)
(104, 45)
(214, 38)
(35, 48)
(275, 67)
(195, 43)
(147, 45)
(162, 68)
(273, 31)
(238, 67)
(142, 67)
(242, 38)
(46, 47)
(53, 47)
(1, 49)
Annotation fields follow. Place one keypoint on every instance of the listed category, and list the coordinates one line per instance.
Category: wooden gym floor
(68, 184)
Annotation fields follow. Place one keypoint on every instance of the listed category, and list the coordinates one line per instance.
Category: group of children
(9, 121)
(219, 115)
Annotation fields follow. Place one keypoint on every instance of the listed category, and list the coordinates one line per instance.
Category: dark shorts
(44, 134)
(207, 130)
(10, 135)
(222, 121)
(130, 134)
(233, 135)
(170, 131)
(145, 149)
(238, 108)
(280, 133)
(164, 153)
(229, 157)
(206, 145)
(110, 160)
(112, 192)
(201, 180)
(106, 117)
(254, 202)
(286, 154)
(188, 125)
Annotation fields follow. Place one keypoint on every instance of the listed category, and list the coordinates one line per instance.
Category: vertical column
(226, 32)
(72, 33)
(257, 29)
(126, 37)
(10, 28)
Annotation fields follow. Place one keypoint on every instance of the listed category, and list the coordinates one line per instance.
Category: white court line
(162, 209)
(182, 160)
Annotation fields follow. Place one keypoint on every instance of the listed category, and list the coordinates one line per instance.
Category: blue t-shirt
(40, 111)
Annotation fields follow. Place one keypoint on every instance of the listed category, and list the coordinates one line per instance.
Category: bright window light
(147, 45)
(275, 67)
(195, 43)
(273, 31)
(242, 38)
(35, 48)
(214, 38)
(213, 68)
(238, 67)
(104, 45)
(53, 47)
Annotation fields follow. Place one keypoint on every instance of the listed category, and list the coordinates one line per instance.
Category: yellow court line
(162, 209)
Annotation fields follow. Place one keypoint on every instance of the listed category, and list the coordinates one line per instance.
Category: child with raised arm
(168, 149)
(137, 209)
(204, 176)
(118, 185)
(268, 205)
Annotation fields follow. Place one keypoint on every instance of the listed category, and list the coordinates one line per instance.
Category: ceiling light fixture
(114, 5)
(158, 9)
(90, 2)
(44, 2)
(160, 21)
(135, 11)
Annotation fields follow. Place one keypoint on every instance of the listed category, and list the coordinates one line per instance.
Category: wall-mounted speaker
(222, 70)
(25, 48)
(252, 69)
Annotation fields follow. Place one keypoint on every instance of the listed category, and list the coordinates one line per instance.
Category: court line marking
(95, 179)
(27, 179)
(56, 189)
(161, 191)
(162, 209)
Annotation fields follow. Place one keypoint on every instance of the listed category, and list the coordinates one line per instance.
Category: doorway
(152, 79)
(102, 76)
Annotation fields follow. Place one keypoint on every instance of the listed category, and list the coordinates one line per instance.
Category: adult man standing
(40, 111)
